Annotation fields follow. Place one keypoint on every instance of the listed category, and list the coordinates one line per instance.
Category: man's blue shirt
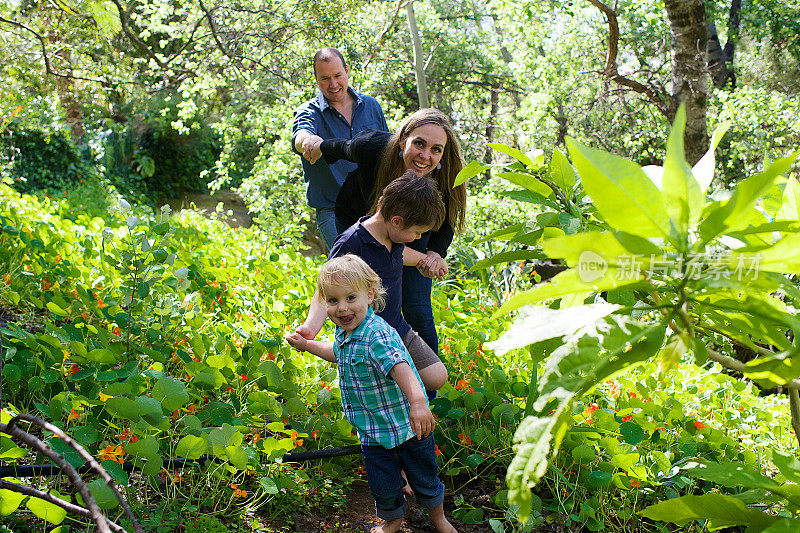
(323, 180)
(357, 240)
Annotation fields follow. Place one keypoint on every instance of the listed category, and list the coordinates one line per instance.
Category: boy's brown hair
(414, 198)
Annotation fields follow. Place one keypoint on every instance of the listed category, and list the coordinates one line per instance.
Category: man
(338, 112)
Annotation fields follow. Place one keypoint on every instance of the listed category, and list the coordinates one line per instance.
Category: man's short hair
(327, 54)
(414, 198)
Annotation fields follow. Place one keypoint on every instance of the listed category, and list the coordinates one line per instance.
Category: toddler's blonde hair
(351, 271)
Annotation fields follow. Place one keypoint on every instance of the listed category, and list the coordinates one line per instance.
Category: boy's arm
(430, 265)
(321, 349)
(315, 319)
(422, 421)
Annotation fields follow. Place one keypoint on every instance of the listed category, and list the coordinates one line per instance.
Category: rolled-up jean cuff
(420, 352)
(400, 512)
(430, 503)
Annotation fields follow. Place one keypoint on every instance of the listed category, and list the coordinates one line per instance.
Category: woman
(425, 144)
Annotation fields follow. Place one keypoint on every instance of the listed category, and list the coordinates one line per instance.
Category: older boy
(408, 207)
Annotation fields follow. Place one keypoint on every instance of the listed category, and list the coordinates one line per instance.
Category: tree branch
(611, 71)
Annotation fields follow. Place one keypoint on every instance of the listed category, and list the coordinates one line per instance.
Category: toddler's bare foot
(440, 522)
(388, 526)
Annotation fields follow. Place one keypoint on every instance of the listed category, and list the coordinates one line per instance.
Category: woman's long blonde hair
(391, 165)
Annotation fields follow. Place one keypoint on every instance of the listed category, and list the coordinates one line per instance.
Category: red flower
(627, 418)
(438, 451)
(244, 378)
(74, 369)
(635, 483)
(698, 424)
(116, 331)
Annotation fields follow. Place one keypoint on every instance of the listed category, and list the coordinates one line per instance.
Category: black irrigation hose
(292, 457)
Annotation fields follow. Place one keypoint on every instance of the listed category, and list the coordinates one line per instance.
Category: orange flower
(110, 453)
(192, 409)
(295, 438)
(256, 438)
(73, 415)
(116, 331)
(631, 395)
(46, 284)
(471, 365)
(635, 483)
(243, 376)
(464, 439)
(461, 384)
(7, 279)
(698, 424)
(74, 369)
(627, 418)
(438, 451)
(237, 492)
(271, 356)
(100, 304)
(315, 434)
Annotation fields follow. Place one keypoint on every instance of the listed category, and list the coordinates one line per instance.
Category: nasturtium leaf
(455, 414)
(583, 454)
(85, 435)
(323, 396)
(296, 407)
(273, 374)
(67, 452)
(102, 356)
(153, 465)
(191, 447)
(145, 447)
(599, 478)
(116, 471)
(221, 437)
(503, 414)
(9, 501)
(171, 393)
(624, 461)
(103, 494)
(12, 373)
(237, 456)
(269, 485)
(46, 510)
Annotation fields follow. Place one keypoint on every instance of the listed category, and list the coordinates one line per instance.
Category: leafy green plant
(682, 271)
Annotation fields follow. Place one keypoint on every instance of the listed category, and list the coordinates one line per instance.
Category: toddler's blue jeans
(417, 458)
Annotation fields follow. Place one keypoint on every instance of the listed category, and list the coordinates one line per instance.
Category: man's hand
(422, 421)
(311, 148)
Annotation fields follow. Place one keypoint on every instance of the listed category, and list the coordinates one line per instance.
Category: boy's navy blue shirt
(357, 240)
(323, 180)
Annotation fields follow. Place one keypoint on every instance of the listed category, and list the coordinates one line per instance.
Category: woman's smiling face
(423, 148)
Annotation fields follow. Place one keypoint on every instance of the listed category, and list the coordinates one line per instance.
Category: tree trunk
(690, 80)
(65, 87)
(494, 108)
(419, 62)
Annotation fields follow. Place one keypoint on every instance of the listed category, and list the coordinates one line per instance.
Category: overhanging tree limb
(611, 71)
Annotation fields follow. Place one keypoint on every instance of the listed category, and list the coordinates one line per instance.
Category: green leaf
(528, 181)
(145, 447)
(222, 437)
(599, 478)
(564, 284)
(621, 191)
(671, 354)
(583, 454)
(46, 510)
(631, 432)
(191, 447)
(124, 408)
(703, 170)
(103, 494)
(535, 324)
(237, 456)
(9, 501)
(102, 355)
(516, 154)
(561, 171)
(790, 209)
(531, 197)
(507, 257)
(269, 485)
(726, 511)
(470, 171)
(572, 247)
(780, 257)
(171, 393)
(681, 192)
(731, 215)
(56, 310)
(273, 374)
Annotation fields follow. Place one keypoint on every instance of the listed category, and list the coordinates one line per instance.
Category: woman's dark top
(353, 201)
